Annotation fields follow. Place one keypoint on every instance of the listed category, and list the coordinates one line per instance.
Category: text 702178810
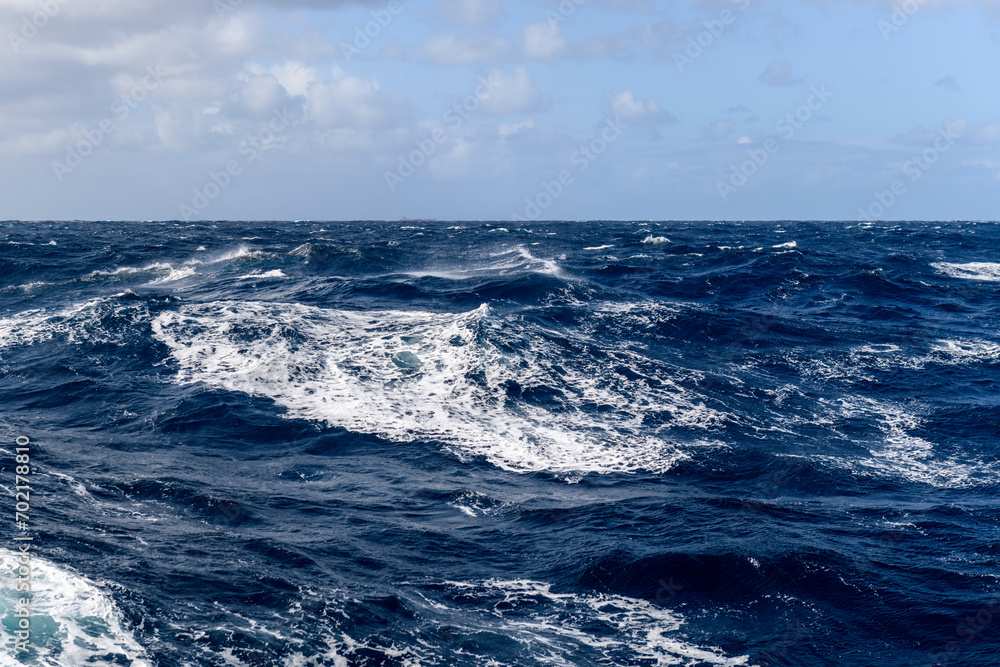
(22, 507)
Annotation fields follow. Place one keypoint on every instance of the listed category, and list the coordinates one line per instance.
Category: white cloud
(510, 129)
(260, 94)
(632, 111)
(515, 93)
(457, 162)
(543, 41)
(349, 101)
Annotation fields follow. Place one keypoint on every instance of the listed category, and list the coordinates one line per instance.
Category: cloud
(510, 129)
(515, 93)
(949, 83)
(632, 111)
(260, 94)
(543, 41)
(975, 134)
(720, 129)
(469, 12)
(463, 49)
(352, 102)
(779, 73)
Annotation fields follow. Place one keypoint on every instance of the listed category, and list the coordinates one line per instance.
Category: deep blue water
(473, 444)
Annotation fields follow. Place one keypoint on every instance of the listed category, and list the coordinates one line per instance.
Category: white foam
(276, 273)
(73, 621)
(790, 245)
(600, 247)
(77, 323)
(514, 261)
(966, 351)
(172, 273)
(656, 240)
(410, 375)
(175, 275)
(131, 270)
(901, 453)
(555, 627)
(988, 271)
(528, 264)
(239, 253)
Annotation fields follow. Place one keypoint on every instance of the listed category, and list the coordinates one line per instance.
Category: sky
(500, 110)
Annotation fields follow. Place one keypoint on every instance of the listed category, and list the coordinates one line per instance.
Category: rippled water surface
(475, 444)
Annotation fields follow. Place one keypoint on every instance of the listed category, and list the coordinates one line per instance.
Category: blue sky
(481, 109)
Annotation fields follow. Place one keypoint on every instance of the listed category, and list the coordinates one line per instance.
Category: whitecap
(73, 621)
(985, 271)
(615, 629)
(411, 375)
(276, 273)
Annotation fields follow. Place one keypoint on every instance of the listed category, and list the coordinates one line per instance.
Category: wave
(73, 621)
(169, 272)
(524, 399)
(567, 628)
(80, 323)
(986, 271)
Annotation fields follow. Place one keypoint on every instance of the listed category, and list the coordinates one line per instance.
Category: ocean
(484, 444)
